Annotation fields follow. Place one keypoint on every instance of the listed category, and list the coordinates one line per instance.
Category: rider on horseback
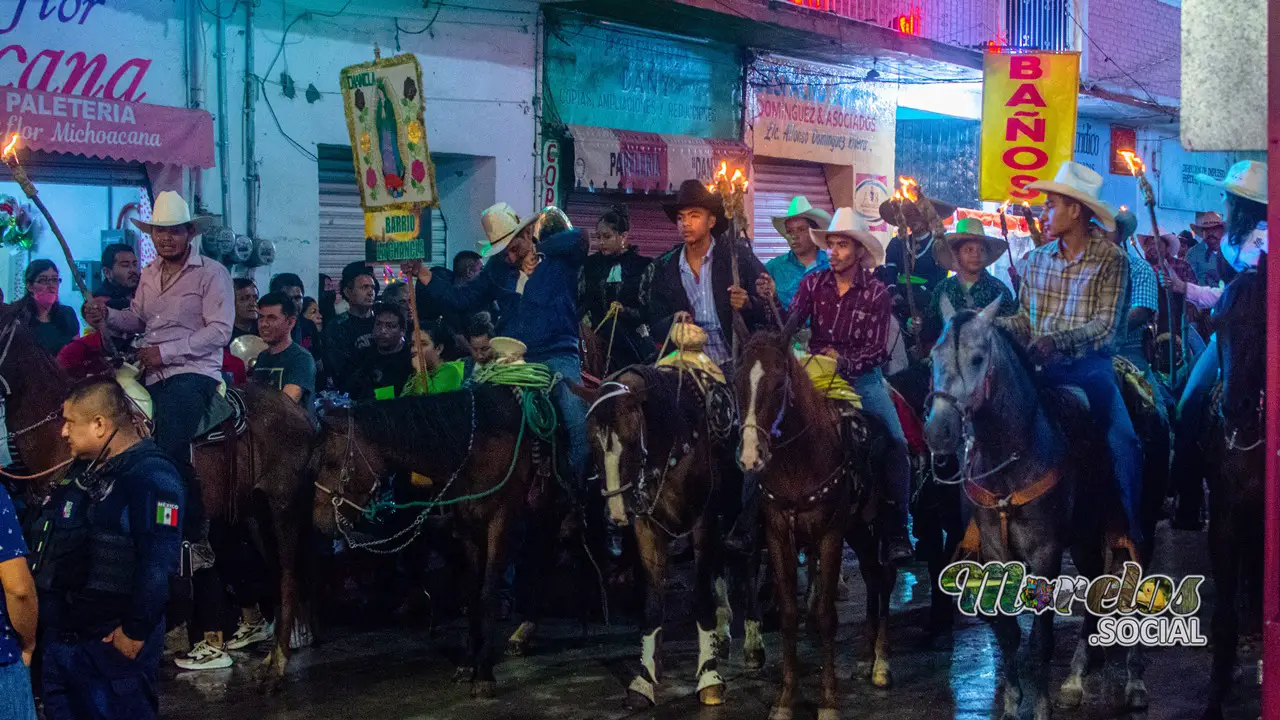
(849, 311)
(1072, 290)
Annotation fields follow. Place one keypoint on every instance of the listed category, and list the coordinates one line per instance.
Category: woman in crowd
(53, 324)
(612, 275)
(311, 311)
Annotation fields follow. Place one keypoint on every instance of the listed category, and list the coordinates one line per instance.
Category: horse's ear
(948, 310)
(791, 328)
(989, 312)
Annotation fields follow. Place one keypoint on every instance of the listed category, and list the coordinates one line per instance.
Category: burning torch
(732, 190)
(1138, 169)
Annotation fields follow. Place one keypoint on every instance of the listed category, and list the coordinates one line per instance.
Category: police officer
(107, 542)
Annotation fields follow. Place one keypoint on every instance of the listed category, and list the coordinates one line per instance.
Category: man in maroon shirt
(848, 310)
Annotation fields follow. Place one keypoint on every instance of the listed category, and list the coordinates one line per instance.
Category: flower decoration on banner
(365, 142)
(17, 224)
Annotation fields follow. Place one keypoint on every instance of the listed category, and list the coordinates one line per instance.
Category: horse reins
(1234, 433)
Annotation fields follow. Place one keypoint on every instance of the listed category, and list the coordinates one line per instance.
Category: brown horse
(821, 487)
(660, 440)
(35, 388)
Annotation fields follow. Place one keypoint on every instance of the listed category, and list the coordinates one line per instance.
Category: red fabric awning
(607, 159)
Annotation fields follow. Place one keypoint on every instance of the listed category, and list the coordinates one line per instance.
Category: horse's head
(346, 469)
(616, 431)
(1242, 346)
(764, 388)
(963, 359)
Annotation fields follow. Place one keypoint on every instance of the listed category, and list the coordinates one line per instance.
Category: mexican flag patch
(167, 514)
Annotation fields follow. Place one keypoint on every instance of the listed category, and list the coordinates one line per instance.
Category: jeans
(1096, 376)
(87, 679)
(1188, 471)
(180, 403)
(16, 702)
(573, 413)
(877, 401)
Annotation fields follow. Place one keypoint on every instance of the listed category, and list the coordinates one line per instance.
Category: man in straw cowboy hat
(849, 310)
(1209, 230)
(693, 281)
(967, 251)
(1141, 300)
(804, 257)
(1245, 197)
(1071, 294)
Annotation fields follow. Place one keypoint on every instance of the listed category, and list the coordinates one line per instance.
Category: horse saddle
(223, 412)
(1130, 375)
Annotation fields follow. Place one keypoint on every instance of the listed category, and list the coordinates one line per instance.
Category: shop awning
(606, 159)
(110, 129)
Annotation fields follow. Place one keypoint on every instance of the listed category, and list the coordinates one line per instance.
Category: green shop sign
(632, 80)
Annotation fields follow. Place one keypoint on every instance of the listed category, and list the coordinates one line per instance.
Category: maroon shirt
(855, 325)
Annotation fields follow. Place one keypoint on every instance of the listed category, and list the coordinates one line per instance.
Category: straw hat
(170, 210)
(800, 208)
(1247, 179)
(850, 224)
(501, 224)
(967, 230)
(1082, 184)
(509, 351)
(1207, 221)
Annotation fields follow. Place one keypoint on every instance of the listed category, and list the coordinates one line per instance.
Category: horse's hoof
(711, 695)
(828, 714)
(1135, 697)
(464, 674)
(637, 701)
(519, 648)
(483, 689)
(780, 713)
(882, 678)
(1071, 695)
(753, 659)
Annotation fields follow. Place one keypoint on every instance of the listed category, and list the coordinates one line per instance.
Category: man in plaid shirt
(1072, 293)
(1141, 305)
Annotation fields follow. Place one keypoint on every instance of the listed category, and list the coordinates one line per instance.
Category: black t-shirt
(237, 332)
(345, 338)
(292, 366)
(373, 370)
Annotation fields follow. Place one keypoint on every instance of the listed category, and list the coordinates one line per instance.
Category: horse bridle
(765, 437)
(337, 497)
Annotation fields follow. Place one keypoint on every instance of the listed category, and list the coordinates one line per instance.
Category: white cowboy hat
(171, 210)
(800, 208)
(501, 224)
(1082, 184)
(850, 224)
(1247, 178)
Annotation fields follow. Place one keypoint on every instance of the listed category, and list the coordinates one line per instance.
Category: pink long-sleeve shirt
(1203, 297)
(190, 320)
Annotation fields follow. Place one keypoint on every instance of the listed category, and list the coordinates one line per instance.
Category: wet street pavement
(406, 673)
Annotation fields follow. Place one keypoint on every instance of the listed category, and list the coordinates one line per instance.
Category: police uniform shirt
(12, 546)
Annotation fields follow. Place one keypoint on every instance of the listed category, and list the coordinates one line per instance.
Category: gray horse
(1027, 453)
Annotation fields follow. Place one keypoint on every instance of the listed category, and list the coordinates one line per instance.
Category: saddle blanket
(822, 371)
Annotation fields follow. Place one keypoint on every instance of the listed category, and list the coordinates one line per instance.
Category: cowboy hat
(170, 210)
(509, 351)
(850, 224)
(501, 224)
(800, 208)
(1247, 179)
(1207, 220)
(911, 212)
(1080, 183)
(693, 193)
(967, 230)
(1171, 242)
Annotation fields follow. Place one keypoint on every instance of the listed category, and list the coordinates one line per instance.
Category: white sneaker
(203, 657)
(250, 634)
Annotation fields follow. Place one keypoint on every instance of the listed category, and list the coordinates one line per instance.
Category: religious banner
(1028, 121)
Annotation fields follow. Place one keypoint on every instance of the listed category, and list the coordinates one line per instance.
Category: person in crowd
(381, 370)
(1141, 300)
(311, 311)
(612, 275)
(1203, 258)
(111, 541)
(467, 264)
(396, 293)
(352, 331)
(52, 323)
(849, 310)
(246, 317)
(431, 373)
(18, 614)
(328, 298)
(284, 365)
(305, 333)
(476, 341)
(804, 257)
(1070, 300)
(119, 276)
(967, 251)
(1245, 200)
(693, 281)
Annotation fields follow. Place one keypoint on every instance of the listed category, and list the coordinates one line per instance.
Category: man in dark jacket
(108, 542)
(120, 276)
(352, 331)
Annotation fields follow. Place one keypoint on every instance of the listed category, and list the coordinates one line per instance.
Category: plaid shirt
(855, 325)
(1073, 301)
(1143, 289)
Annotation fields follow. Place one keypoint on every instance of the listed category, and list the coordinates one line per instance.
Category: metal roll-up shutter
(342, 238)
(774, 183)
(65, 169)
(651, 231)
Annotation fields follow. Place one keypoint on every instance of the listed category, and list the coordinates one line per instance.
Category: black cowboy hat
(693, 193)
(889, 213)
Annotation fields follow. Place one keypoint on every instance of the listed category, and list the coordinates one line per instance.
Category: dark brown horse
(34, 388)
(821, 487)
(660, 438)
(1235, 447)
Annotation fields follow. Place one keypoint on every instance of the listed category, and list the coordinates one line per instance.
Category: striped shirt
(1075, 301)
(703, 301)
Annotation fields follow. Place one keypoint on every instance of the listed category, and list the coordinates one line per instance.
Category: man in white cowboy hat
(804, 257)
(1071, 295)
(848, 310)
(1245, 190)
(967, 251)
(1203, 258)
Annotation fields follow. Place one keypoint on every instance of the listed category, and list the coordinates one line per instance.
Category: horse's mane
(439, 423)
(666, 394)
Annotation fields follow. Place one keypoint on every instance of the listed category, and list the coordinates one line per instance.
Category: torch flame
(10, 147)
(1124, 208)
(1134, 162)
(909, 186)
(1004, 207)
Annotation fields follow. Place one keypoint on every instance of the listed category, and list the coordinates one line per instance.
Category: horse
(1027, 453)
(824, 490)
(482, 460)
(269, 461)
(659, 437)
(1235, 444)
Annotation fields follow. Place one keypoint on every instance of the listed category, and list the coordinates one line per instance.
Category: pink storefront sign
(133, 132)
